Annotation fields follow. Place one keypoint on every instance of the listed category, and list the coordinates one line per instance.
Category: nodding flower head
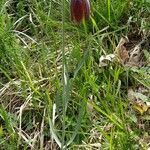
(80, 10)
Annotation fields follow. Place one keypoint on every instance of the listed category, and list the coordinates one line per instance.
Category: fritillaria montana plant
(80, 10)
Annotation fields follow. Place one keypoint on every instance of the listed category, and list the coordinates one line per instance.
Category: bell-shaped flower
(80, 10)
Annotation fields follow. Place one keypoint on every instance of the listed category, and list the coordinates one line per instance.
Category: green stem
(63, 74)
(108, 9)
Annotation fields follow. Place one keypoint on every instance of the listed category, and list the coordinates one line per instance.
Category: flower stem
(63, 75)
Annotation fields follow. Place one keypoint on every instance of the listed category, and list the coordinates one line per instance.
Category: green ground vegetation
(54, 93)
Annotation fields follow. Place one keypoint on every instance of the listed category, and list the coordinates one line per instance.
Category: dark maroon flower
(80, 10)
